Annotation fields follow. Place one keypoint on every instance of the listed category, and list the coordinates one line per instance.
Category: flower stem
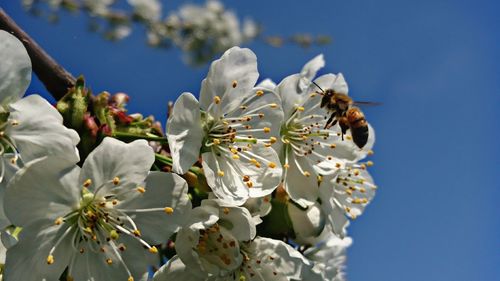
(130, 136)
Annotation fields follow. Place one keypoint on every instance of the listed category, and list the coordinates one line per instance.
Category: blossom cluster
(248, 183)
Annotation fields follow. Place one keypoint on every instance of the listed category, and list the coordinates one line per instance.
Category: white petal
(15, 69)
(174, 269)
(267, 84)
(40, 132)
(309, 71)
(334, 213)
(291, 95)
(285, 260)
(236, 65)
(46, 189)
(9, 169)
(185, 134)
(129, 162)
(27, 260)
(240, 220)
(308, 223)
(302, 189)
(162, 190)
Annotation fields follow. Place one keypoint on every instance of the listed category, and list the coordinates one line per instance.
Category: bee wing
(369, 103)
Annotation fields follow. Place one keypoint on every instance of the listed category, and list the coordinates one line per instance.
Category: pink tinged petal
(174, 269)
(45, 189)
(231, 78)
(27, 260)
(300, 181)
(185, 134)
(117, 166)
(162, 190)
(15, 69)
(309, 71)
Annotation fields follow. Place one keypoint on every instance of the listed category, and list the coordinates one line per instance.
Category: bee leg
(328, 125)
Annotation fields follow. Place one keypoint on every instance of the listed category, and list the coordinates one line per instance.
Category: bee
(342, 110)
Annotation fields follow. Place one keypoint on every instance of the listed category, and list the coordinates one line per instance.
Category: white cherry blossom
(307, 148)
(233, 131)
(101, 221)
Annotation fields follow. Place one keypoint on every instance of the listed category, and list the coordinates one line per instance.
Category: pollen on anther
(169, 210)
(236, 157)
(226, 210)
(220, 173)
(369, 163)
(50, 259)
(116, 180)
(267, 129)
(272, 139)
(370, 152)
(286, 166)
(87, 182)
(307, 174)
(130, 278)
(141, 189)
(153, 250)
(332, 146)
(136, 232)
(216, 141)
(249, 184)
(259, 93)
(235, 84)
(58, 221)
(246, 178)
(300, 108)
(216, 99)
(109, 261)
(272, 165)
(273, 105)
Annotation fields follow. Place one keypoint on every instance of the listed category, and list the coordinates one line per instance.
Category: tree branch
(55, 78)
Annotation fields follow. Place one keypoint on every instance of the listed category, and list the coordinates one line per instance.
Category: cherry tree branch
(56, 79)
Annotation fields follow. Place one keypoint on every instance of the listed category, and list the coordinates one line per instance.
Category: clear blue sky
(433, 64)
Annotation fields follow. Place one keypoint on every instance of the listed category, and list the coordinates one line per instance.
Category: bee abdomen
(360, 135)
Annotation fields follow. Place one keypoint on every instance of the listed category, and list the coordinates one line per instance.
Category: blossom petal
(309, 71)
(231, 78)
(9, 170)
(302, 189)
(174, 269)
(332, 207)
(40, 131)
(241, 223)
(267, 84)
(162, 190)
(43, 188)
(15, 70)
(127, 162)
(290, 94)
(185, 134)
(27, 260)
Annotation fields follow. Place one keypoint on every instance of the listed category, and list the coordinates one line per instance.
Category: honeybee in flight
(344, 112)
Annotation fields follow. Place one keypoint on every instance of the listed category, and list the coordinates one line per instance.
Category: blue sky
(435, 67)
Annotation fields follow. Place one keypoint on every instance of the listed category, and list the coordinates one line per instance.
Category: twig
(55, 78)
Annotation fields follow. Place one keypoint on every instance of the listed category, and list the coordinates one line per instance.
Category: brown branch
(55, 78)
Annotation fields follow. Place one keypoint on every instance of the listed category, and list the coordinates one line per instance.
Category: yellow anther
(356, 201)
(113, 234)
(141, 189)
(13, 160)
(356, 172)
(267, 145)
(259, 93)
(267, 129)
(220, 173)
(286, 166)
(136, 232)
(369, 163)
(50, 259)
(307, 174)
(364, 200)
(153, 250)
(116, 180)
(338, 165)
(58, 221)
(235, 84)
(332, 146)
(169, 210)
(246, 178)
(261, 115)
(87, 182)
(348, 137)
(236, 157)
(216, 141)
(226, 210)
(300, 108)
(234, 150)
(320, 178)
(273, 105)
(363, 167)
(347, 209)
(348, 191)
(362, 190)
(370, 152)
(272, 165)
(272, 139)
(109, 261)
(249, 184)
(312, 95)
(130, 278)
(217, 99)
(114, 202)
